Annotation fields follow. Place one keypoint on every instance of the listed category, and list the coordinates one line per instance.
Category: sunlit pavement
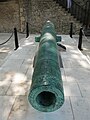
(15, 80)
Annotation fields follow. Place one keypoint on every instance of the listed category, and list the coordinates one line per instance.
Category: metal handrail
(78, 11)
(85, 3)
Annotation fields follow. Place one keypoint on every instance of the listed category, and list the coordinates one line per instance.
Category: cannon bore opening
(46, 99)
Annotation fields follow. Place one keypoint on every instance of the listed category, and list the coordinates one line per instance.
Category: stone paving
(9, 46)
(15, 80)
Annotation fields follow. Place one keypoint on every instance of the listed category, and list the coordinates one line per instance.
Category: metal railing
(80, 12)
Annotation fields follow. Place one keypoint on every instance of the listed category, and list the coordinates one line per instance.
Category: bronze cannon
(46, 92)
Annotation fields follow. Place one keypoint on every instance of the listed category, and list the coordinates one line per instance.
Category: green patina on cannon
(46, 92)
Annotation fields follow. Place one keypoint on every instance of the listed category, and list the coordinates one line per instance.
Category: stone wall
(9, 16)
(24, 6)
(43, 10)
(15, 13)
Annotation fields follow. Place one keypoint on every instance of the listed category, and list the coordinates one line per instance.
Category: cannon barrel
(46, 92)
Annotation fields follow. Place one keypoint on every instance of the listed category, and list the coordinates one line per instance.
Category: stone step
(43, 10)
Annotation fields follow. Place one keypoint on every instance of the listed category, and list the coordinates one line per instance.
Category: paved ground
(9, 46)
(15, 80)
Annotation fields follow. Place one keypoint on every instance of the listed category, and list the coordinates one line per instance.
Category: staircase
(43, 10)
(57, 12)
(80, 11)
